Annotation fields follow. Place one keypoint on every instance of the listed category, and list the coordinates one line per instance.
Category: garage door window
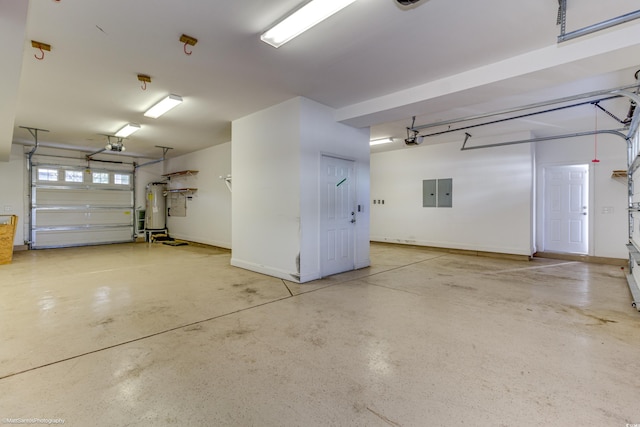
(47, 174)
(100, 178)
(73, 176)
(120, 179)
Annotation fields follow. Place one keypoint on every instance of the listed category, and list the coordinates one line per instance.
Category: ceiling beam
(607, 51)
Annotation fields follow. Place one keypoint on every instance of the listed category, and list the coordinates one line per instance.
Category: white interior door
(566, 209)
(337, 213)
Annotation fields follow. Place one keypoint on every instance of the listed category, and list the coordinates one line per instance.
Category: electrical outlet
(8, 208)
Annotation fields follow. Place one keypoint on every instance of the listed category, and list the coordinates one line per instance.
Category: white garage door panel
(59, 238)
(82, 197)
(61, 218)
(633, 279)
(634, 218)
(76, 205)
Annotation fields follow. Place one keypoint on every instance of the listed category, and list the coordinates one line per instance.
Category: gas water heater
(155, 216)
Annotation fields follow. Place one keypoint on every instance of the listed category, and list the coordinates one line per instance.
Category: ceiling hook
(42, 47)
(35, 55)
(188, 40)
(144, 79)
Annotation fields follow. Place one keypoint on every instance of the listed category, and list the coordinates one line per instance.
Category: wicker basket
(7, 234)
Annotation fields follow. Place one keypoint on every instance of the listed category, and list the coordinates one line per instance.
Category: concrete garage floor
(148, 334)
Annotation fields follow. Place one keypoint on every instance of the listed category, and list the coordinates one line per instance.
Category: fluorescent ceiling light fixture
(380, 141)
(302, 19)
(127, 130)
(163, 106)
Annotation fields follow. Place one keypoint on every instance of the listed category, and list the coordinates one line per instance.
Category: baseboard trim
(263, 269)
(583, 258)
(187, 238)
(515, 257)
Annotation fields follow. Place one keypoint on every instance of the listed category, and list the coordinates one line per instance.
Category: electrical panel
(437, 193)
(445, 187)
(429, 199)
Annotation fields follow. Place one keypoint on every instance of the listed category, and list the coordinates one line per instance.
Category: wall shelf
(180, 173)
(619, 174)
(186, 174)
(182, 190)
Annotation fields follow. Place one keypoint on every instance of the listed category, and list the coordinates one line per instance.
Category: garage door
(76, 206)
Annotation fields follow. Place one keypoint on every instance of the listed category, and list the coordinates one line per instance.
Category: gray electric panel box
(437, 193)
(445, 191)
(429, 199)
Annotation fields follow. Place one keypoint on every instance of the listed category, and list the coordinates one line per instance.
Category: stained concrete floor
(148, 334)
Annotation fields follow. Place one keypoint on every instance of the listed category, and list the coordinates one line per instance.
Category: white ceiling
(375, 62)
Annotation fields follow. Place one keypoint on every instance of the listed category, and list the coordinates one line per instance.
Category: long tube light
(163, 106)
(127, 130)
(381, 141)
(301, 20)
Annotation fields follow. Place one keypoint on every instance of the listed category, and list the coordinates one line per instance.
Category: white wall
(13, 34)
(275, 165)
(12, 191)
(322, 135)
(265, 165)
(609, 197)
(208, 217)
(492, 197)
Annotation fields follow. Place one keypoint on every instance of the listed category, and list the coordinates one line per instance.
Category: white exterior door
(337, 213)
(566, 209)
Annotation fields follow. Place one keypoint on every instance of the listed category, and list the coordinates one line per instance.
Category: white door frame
(540, 203)
(324, 270)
